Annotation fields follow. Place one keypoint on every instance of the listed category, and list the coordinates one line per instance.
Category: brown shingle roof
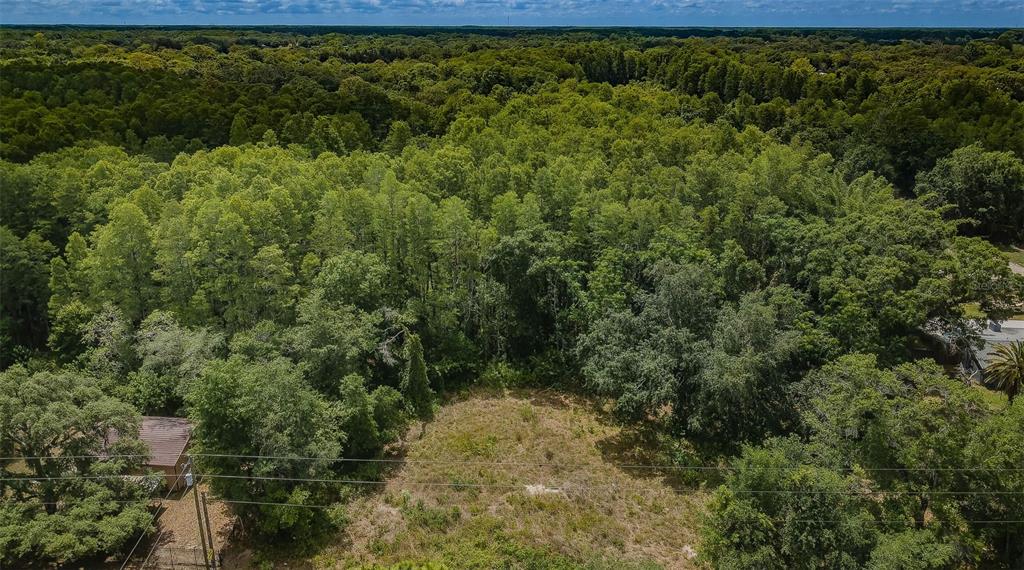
(166, 437)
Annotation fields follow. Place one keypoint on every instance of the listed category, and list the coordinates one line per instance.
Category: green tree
(239, 133)
(171, 358)
(987, 187)
(777, 511)
(69, 502)
(110, 345)
(340, 322)
(325, 137)
(352, 278)
(67, 307)
(755, 351)
(122, 262)
(911, 427)
(415, 386)
(222, 258)
(913, 550)
(24, 292)
(995, 454)
(638, 360)
(267, 410)
(67, 327)
(273, 284)
(399, 135)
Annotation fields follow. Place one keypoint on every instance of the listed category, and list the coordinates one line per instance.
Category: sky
(671, 13)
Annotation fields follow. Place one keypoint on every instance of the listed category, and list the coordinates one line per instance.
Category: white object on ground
(535, 490)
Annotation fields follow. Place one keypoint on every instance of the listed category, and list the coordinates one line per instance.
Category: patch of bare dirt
(180, 546)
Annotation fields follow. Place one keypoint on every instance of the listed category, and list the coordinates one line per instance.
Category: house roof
(166, 438)
(1010, 331)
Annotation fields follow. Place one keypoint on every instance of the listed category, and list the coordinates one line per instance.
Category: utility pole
(199, 519)
(209, 532)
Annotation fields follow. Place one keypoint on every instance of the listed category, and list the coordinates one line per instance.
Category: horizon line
(499, 26)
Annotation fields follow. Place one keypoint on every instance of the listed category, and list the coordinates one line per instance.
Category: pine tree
(239, 133)
(415, 386)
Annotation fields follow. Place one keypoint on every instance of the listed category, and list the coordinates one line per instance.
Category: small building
(973, 359)
(168, 439)
(997, 333)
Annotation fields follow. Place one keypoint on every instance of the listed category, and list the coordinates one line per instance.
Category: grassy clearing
(973, 311)
(995, 400)
(1013, 253)
(566, 504)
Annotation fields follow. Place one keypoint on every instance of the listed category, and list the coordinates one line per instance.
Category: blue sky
(926, 13)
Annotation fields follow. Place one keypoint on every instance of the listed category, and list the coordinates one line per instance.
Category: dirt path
(180, 546)
(181, 527)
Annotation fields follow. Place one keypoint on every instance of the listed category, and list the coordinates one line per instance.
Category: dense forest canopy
(300, 238)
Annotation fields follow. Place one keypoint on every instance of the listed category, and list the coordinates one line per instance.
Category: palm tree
(1006, 372)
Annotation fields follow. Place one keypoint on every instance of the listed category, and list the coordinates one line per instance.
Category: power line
(73, 477)
(585, 465)
(82, 501)
(85, 456)
(153, 520)
(156, 543)
(898, 521)
(821, 521)
(266, 503)
(573, 487)
(525, 464)
(570, 487)
(583, 486)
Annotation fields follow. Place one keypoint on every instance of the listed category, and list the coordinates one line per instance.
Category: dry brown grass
(584, 511)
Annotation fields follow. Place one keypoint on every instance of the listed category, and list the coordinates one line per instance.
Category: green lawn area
(1013, 253)
(973, 311)
(995, 400)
